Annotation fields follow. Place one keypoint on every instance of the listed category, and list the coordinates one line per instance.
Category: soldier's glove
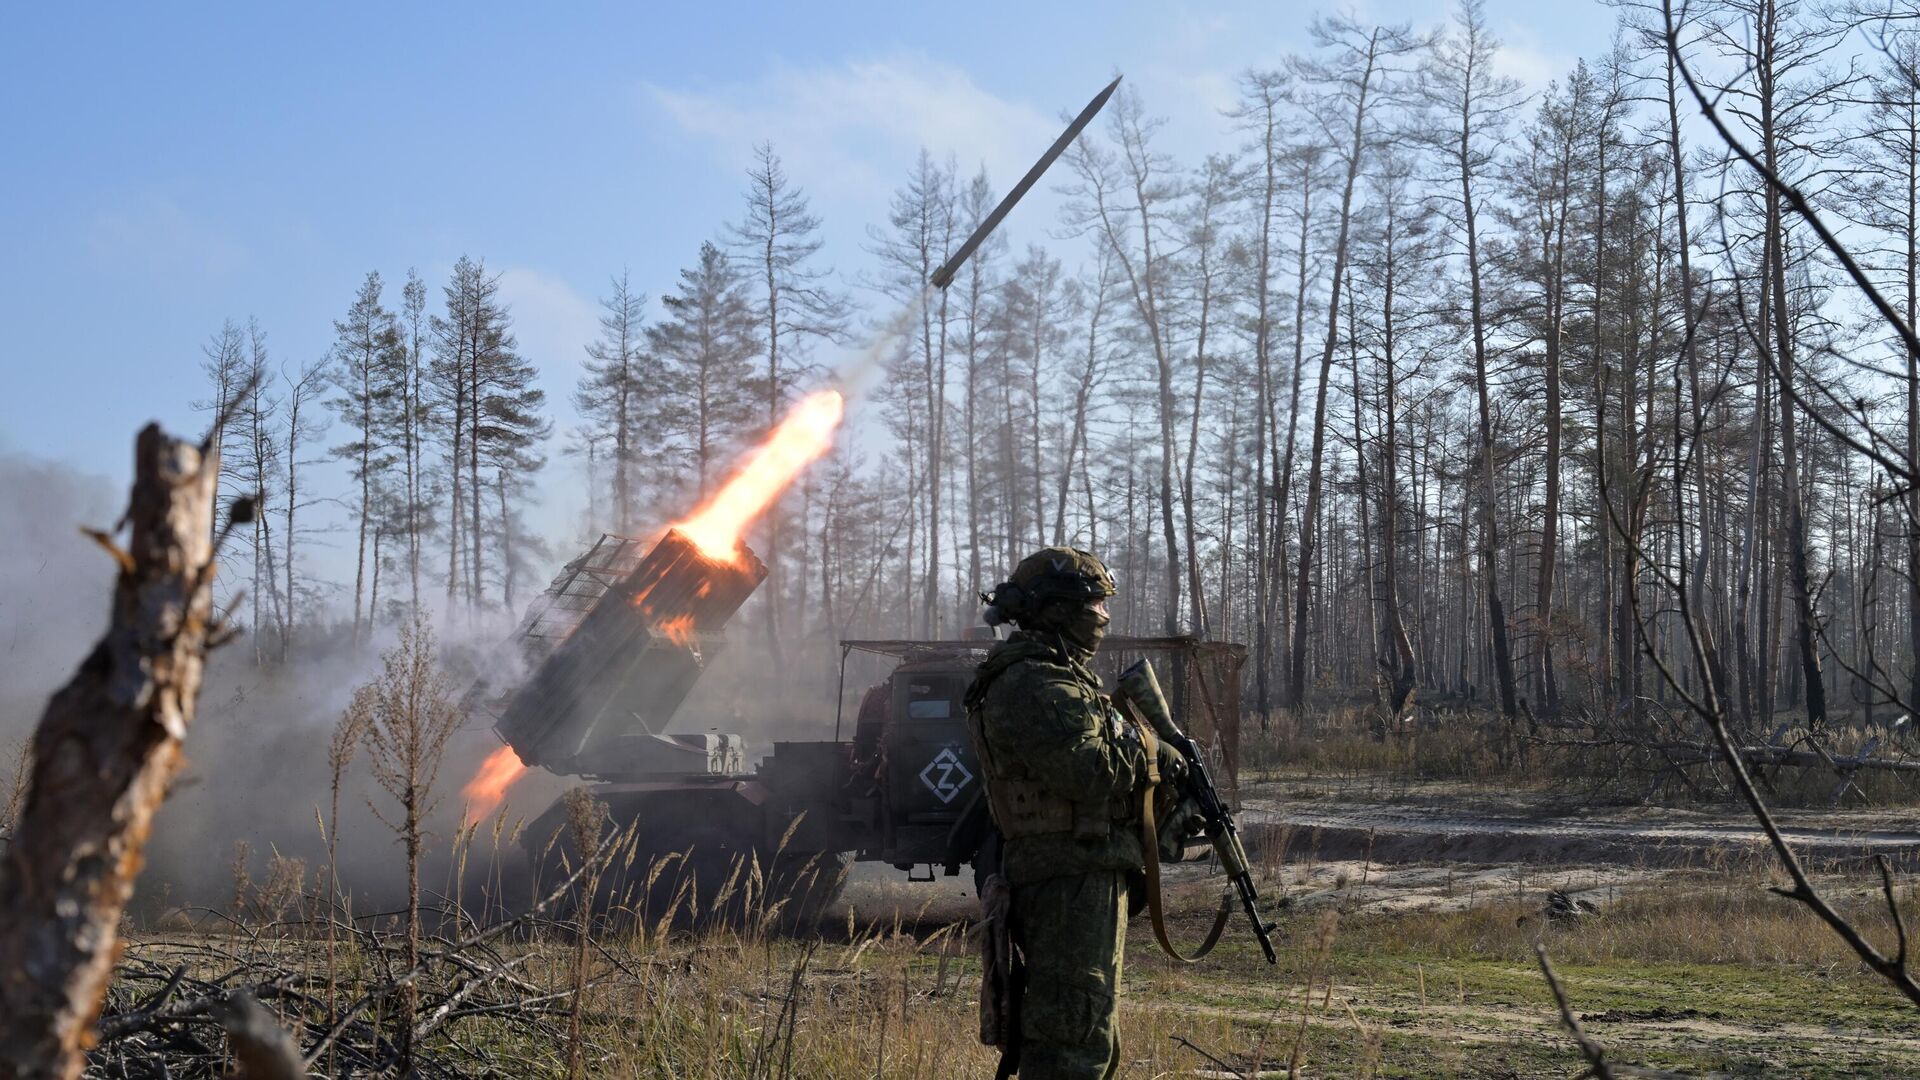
(1178, 820)
(1173, 766)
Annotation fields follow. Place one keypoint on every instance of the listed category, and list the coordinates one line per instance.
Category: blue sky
(168, 166)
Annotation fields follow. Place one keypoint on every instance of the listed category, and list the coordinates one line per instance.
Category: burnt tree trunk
(1395, 647)
(106, 749)
(1489, 522)
(1911, 238)
(1303, 593)
(1805, 632)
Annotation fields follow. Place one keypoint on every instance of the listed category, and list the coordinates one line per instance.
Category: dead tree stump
(105, 751)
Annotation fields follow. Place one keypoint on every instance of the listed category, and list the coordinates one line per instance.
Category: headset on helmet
(1047, 575)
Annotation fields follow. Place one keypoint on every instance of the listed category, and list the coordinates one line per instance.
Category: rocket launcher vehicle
(614, 648)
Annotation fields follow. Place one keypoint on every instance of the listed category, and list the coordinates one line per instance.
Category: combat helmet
(1047, 575)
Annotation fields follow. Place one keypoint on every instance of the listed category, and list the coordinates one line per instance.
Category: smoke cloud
(54, 586)
(257, 771)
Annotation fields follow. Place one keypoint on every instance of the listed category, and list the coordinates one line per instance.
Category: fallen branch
(264, 1048)
(433, 956)
(1596, 1056)
(1196, 1048)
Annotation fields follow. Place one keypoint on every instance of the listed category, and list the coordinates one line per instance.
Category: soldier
(1063, 778)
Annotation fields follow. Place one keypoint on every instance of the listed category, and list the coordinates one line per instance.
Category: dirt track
(1442, 829)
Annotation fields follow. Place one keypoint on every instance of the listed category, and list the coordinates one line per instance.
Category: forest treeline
(1420, 381)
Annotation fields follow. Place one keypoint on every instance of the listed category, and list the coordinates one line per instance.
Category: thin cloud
(553, 323)
(1524, 58)
(846, 130)
(159, 236)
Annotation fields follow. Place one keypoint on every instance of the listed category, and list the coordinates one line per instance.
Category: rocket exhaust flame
(715, 531)
(678, 629)
(803, 436)
(489, 785)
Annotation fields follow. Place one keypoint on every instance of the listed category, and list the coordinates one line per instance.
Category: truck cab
(895, 792)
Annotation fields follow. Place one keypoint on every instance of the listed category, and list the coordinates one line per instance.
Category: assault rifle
(1140, 689)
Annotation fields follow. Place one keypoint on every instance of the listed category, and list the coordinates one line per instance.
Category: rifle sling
(1150, 840)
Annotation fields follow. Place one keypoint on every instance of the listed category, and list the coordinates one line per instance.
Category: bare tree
(253, 467)
(405, 716)
(348, 733)
(1213, 293)
(971, 207)
(1122, 198)
(921, 230)
(1543, 178)
(1473, 102)
(1395, 246)
(303, 387)
(1351, 73)
(1263, 113)
(1882, 193)
(1098, 299)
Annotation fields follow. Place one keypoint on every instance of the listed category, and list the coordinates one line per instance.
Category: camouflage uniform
(1062, 774)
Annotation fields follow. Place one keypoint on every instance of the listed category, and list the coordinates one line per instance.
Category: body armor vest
(1021, 804)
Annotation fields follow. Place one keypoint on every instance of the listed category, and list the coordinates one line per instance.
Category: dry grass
(1345, 748)
(1692, 919)
(1704, 970)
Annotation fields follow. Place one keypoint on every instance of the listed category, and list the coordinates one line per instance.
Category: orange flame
(489, 785)
(803, 436)
(678, 629)
(715, 528)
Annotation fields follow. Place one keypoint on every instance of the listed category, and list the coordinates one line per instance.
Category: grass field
(1701, 973)
(1407, 969)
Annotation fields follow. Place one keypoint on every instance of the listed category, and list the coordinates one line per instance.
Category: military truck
(615, 645)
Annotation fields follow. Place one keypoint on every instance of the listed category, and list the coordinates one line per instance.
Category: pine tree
(921, 231)
(370, 373)
(1348, 83)
(794, 304)
(614, 393)
(704, 351)
(975, 285)
(415, 421)
(484, 390)
(508, 432)
(1461, 86)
